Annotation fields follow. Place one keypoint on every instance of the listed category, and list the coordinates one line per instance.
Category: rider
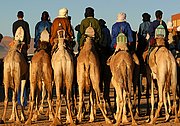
(154, 25)
(85, 23)
(122, 26)
(45, 23)
(63, 22)
(25, 26)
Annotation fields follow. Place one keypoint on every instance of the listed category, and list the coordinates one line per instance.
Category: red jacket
(66, 26)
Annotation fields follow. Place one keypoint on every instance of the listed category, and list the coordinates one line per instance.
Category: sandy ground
(99, 120)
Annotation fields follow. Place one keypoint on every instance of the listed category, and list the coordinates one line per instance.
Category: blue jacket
(126, 29)
(40, 26)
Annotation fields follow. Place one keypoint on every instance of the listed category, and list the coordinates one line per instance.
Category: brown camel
(62, 63)
(122, 65)
(88, 76)
(15, 76)
(163, 68)
(40, 74)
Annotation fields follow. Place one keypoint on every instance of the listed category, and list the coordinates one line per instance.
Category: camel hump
(44, 37)
(19, 35)
(90, 31)
(160, 31)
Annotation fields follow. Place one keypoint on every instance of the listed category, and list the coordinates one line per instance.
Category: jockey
(85, 23)
(121, 26)
(25, 26)
(154, 25)
(45, 23)
(1, 37)
(171, 36)
(143, 32)
(63, 21)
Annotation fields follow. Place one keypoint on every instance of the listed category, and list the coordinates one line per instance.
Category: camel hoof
(115, 116)
(167, 117)
(147, 120)
(34, 118)
(12, 119)
(108, 121)
(41, 110)
(134, 123)
(18, 122)
(91, 120)
(124, 119)
(176, 120)
(28, 122)
(116, 124)
(56, 122)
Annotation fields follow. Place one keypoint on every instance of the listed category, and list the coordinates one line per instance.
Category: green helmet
(160, 31)
(121, 38)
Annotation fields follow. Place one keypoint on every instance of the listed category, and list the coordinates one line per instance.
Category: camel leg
(165, 104)
(120, 102)
(49, 100)
(160, 103)
(36, 112)
(23, 83)
(15, 105)
(57, 119)
(97, 91)
(124, 116)
(130, 109)
(12, 117)
(68, 104)
(152, 101)
(32, 92)
(173, 87)
(5, 101)
(91, 106)
(43, 97)
(80, 115)
(118, 107)
(169, 102)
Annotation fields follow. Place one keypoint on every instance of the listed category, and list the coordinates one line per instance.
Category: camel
(40, 77)
(15, 76)
(163, 68)
(177, 57)
(62, 63)
(88, 76)
(122, 66)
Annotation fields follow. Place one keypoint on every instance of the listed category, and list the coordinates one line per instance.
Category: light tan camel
(122, 65)
(40, 72)
(88, 76)
(15, 76)
(163, 68)
(62, 63)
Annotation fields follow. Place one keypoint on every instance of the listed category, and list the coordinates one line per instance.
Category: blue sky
(106, 9)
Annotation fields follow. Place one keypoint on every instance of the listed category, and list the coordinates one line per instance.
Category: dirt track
(99, 121)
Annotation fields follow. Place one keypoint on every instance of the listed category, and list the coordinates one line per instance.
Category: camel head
(16, 45)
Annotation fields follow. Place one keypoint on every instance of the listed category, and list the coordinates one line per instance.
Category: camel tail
(124, 74)
(12, 73)
(87, 78)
